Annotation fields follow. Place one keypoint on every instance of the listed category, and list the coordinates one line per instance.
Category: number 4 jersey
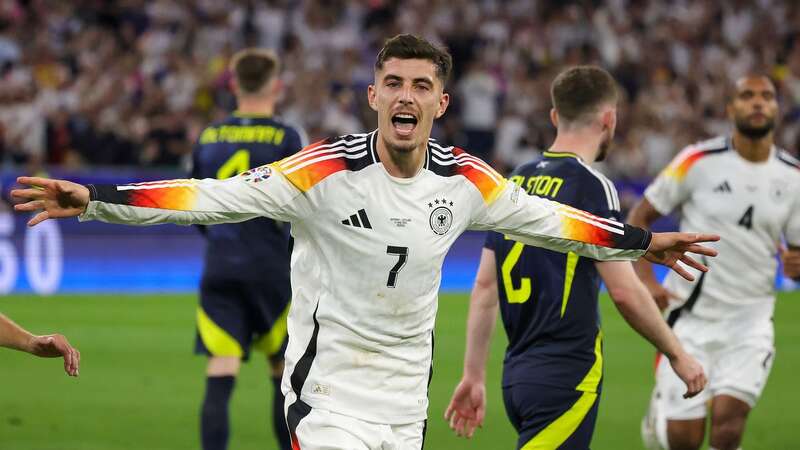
(367, 259)
(750, 205)
(251, 249)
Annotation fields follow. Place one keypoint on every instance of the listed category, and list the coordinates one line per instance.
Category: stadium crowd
(133, 82)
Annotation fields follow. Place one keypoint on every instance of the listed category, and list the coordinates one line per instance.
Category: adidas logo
(723, 187)
(358, 220)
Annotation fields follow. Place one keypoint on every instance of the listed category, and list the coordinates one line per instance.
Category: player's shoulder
(451, 161)
(702, 151)
(715, 146)
(317, 161)
(787, 158)
(598, 186)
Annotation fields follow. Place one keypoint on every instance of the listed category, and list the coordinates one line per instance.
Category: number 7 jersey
(366, 264)
(752, 206)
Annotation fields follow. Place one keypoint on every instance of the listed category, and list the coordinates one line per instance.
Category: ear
(276, 87)
(444, 101)
(554, 117)
(609, 119)
(372, 97)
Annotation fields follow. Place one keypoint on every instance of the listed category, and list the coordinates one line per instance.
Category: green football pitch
(140, 385)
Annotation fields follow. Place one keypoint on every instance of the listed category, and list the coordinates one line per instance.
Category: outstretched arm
(468, 404)
(637, 307)
(47, 346)
(259, 192)
(536, 221)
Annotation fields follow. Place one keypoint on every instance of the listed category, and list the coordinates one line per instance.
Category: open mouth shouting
(404, 124)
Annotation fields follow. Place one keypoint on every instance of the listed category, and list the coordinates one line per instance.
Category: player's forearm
(641, 313)
(642, 216)
(183, 202)
(644, 270)
(14, 336)
(480, 327)
(562, 228)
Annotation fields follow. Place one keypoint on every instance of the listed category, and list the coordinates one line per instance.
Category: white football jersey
(367, 257)
(750, 205)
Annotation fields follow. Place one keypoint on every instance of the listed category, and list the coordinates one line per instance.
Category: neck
(401, 164)
(752, 149)
(580, 142)
(264, 106)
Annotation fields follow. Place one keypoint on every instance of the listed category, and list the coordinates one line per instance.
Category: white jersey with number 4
(367, 258)
(752, 206)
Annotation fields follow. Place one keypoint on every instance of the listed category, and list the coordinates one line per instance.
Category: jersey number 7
(402, 253)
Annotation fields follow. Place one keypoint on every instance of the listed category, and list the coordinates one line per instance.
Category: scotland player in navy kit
(245, 290)
(548, 301)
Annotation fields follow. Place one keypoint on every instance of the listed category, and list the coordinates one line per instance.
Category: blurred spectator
(128, 82)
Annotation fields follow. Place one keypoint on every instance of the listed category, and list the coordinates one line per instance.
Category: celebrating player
(373, 216)
(47, 346)
(245, 290)
(749, 190)
(552, 373)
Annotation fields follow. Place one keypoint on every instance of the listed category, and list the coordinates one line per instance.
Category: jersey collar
(547, 154)
(372, 144)
(242, 115)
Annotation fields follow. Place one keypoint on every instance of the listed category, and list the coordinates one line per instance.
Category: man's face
(408, 96)
(754, 107)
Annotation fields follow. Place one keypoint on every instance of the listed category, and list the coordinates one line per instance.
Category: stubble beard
(604, 146)
(754, 132)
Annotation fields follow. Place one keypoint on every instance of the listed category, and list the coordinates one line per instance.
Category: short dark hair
(253, 68)
(409, 46)
(580, 91)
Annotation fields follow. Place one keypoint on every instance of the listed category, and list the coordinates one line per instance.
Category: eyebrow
(757, 91)
(418, 80)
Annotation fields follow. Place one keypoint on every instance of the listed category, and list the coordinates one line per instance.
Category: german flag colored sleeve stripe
(678, 169)
(316, 162)
(179, 195)
(304, 177)
(488, 182)
(581, 226)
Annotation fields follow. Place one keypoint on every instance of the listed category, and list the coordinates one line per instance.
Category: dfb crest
(441, 217)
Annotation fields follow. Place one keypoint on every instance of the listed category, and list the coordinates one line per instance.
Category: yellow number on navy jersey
(523, 293)
(238, 162)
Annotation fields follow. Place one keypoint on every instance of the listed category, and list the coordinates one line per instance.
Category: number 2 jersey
(549, 300)
(750, 205)
(255, 249)
(367, 258)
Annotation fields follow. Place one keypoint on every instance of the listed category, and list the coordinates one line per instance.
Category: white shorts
(736, 355)
(326, 430)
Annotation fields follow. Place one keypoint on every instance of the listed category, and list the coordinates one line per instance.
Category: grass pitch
(140, 385)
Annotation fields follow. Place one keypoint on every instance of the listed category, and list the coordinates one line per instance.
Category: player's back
(548, 300)
(250, 249)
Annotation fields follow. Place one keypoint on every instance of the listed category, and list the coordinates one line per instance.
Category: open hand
(669, 248)
(54, 346)
(467, 407)
(56, 198)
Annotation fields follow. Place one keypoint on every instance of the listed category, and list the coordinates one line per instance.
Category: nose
(405, 96)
